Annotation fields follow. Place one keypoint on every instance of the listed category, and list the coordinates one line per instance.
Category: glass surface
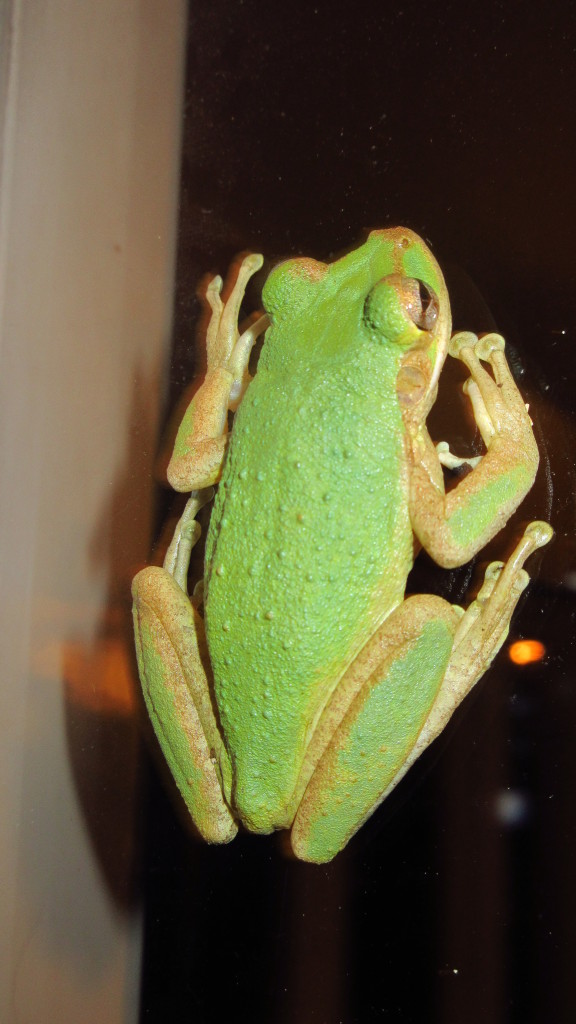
(306, 125)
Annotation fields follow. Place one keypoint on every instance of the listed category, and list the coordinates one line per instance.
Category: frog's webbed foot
(397, 697)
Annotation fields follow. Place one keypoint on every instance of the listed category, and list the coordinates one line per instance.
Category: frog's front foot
(202, 437)
(452, 461)
(498, 406)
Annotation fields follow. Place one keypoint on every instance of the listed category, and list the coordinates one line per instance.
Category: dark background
(305, 125)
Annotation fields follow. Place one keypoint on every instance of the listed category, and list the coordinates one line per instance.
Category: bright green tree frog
(310, 684)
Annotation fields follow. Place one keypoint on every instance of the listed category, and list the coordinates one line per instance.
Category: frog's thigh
(172, 654)
(381, 726)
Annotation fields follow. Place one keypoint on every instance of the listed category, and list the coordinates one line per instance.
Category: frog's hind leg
(371, 724)
(174, 666)
(481, 631)
(397, 697)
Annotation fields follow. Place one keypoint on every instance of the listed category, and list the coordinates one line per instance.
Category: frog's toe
(461, 340)
(488, 344)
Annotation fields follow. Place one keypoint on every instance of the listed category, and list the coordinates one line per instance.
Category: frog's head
(408, 308)
(390, 288)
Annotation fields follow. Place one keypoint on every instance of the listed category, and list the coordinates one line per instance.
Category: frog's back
(309, 515)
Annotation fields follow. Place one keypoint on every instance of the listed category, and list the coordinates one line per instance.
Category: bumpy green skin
(483, 508)
(294, 589)
(389, 714)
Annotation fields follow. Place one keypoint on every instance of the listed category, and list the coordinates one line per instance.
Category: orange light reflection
(523, 652)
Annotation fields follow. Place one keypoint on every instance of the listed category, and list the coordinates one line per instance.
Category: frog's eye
(400, 308)
(428, 307)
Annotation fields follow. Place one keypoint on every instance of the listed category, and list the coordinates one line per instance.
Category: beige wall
(90, 96)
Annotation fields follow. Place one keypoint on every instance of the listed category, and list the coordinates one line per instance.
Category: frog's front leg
(455, 526)
(397, 697)
(174, 667)
(202, 436)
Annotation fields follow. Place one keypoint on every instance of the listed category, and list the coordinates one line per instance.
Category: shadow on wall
(101, 692)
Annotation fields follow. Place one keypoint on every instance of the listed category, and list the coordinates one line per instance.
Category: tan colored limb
(186, 535)
(396, 632)
(453, 527)
(202, 437)
(451, 461)
(375, 726)
(174, 665)
(480, 633)
(172, 660)
(347, 781)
